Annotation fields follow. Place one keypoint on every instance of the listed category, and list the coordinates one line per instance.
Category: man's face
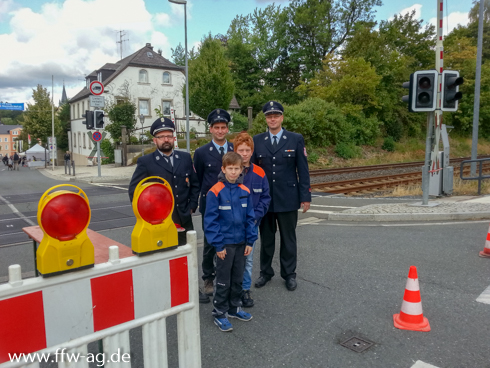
(164, 141)
(245, 151)
(232, 172)
(274, 121)
(219, 131)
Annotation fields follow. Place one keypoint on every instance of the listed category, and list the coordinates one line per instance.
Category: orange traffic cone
(411, 316)
(485, 253)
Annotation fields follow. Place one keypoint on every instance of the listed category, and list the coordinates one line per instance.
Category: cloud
(416, 7)
(69, 40)
(450, 22)
(270, 1)
(5, 7)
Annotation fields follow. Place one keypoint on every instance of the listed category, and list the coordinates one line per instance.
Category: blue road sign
(12, 106)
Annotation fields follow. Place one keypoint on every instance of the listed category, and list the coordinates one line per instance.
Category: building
(148, 78)
(8, 134)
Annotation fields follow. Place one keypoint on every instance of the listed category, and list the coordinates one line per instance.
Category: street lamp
(142, 121)
(184, 2)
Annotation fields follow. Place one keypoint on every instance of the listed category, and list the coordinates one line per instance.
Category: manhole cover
(357, 344)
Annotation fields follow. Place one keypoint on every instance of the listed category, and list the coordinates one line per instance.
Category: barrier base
(484, 254)
(423, 326)
(155, 251)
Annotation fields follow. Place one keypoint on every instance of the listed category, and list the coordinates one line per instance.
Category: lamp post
(184, 2)
(142, 121)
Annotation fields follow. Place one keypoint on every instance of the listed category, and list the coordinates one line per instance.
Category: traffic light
(422, 91)
(450, 94)
(89, 119)
(99, 119)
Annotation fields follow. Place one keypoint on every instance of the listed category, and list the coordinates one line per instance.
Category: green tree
(120, 113)
(63, 127)
(210, 82)
(178, 55)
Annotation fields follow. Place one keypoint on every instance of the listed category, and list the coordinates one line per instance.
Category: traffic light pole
(99, 159)
(426, 167)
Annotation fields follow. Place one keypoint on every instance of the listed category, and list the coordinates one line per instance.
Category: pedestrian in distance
(282, 155)
(177, 169)
(229, 226)
(16, 160)
(255, 180)
(208, 162)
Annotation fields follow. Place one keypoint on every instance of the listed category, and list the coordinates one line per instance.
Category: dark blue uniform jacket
(229, 217)
(256, 181)
(181, 177)
(208, 162)
(286, 168)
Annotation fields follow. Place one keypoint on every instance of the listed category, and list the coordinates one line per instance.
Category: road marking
(16, 211)
(309, 221)
(357, 224)
(421, 364)
(318, 211)
(104, 185)
(322, 205)
(484, 297)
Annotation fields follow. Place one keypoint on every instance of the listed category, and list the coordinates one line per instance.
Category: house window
(166, 108)
(6, 147)
(83, 107)
(99, 76)
(89, 143)
(6, 139)
(72, 112)
(15, 132)
(79, 140)
(74, 140)
(144, 107)
(166, 78)
(78, 110)
(84, 146)
(143, 76)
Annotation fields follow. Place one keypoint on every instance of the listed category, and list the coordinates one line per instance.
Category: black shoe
(203, 298)
(261, 281)
(247, 301)
(291, 284)
(208, 287)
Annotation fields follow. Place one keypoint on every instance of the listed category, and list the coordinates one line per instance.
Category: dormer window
(88, 83)
(99, 76)
(149, 54)
(143, 78)
(166, 78)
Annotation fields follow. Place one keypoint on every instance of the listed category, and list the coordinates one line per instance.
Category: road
(351, 280)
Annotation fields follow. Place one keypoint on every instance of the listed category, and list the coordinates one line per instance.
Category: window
(99, 76)
(83, 107)
(78, 110)
(166, 78)
(166, 108)
(89, 143)
(79, 140)
(84, 146)
(149, 54)
(6, 140)
(15, 132)
(74, 140)
(144, 107)
(143, 76)
(72, 112)
(6, 147)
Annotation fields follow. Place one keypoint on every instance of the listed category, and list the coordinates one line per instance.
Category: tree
(210, 82)
(178, 55)
(63, 127)
(37, 118)
(120, 113)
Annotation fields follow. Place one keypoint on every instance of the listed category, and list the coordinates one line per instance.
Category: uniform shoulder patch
(217, 188)
(244, 187)
(259, 171)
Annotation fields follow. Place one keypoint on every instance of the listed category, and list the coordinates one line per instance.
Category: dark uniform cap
(272, 107)
(162, 124)
(218, 116)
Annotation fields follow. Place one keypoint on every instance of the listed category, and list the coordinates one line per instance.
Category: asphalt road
(351, 280)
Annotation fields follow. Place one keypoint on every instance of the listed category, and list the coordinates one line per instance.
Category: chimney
(149, 46)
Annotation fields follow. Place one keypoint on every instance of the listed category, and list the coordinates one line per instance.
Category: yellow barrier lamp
(153, 204)
(64, 217)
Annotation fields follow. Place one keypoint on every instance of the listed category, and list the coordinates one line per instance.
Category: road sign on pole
(96, 88)
(97, 101)
(97, 136)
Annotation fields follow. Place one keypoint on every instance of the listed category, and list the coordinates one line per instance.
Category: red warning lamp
(153, 204)
(64, 217)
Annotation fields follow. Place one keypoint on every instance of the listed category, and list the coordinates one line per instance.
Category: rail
(480, 177)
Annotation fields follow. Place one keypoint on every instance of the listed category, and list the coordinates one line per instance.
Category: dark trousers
(288, 248)
(208, 253)
(229, 277)
(182, 236)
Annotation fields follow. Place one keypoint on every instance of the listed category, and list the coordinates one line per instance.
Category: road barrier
(62, 314)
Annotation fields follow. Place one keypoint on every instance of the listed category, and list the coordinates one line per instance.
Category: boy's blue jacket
(256, 181)
(229, 216)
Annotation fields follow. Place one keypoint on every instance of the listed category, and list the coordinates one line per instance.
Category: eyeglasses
(167, 137)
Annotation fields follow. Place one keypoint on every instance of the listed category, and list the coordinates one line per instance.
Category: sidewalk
(443, 209)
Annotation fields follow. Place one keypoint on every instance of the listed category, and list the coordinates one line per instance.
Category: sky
(68, 39)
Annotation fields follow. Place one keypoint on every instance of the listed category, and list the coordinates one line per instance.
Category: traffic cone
(485, 253)
(411, 316)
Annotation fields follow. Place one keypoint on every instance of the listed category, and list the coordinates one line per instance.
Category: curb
(392, 217)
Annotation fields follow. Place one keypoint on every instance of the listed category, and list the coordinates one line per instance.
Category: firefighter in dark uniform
(282, 155)
(207, 161)
(176, 168)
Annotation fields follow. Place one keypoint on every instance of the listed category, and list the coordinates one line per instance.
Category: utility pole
(120, 42)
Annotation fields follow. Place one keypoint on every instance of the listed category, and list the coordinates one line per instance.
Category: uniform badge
(266, 138)
(210, 148)
(272, 103)
(305, 152)
(176, 156)
(162, 120)
(158, 158)
(284, 137)
(218, 112)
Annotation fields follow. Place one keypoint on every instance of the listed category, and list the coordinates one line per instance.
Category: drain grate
(357, 344)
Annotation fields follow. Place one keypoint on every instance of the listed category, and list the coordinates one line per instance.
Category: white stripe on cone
(412, 284)
(414, 309)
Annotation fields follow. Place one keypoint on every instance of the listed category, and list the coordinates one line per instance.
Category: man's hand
(305, 206)
(221, 254)
(248, 250)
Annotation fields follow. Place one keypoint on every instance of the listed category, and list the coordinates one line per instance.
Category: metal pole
(476, 104)
(188, 139)
(426, 167)
(98, 157)
(52, 123)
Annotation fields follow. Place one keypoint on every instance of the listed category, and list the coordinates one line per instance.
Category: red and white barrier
(105, 302)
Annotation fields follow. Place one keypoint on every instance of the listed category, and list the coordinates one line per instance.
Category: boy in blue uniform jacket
(254, 179)
(229, 226)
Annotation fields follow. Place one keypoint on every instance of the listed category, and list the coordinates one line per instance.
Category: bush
(347, 150)
(389, 144)
(313, 157)
(107, 151)
(240, 122)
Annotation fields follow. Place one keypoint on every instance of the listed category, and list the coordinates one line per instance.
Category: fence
(65, 313)
(480, 177)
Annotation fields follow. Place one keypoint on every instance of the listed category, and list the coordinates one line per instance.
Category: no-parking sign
(97, 136)
(96, 88)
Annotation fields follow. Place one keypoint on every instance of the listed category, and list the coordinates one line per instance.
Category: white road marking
(485, 296)
(421, 364)
(355, 224)
(16, 211)
(317, 211)
(309, 221)
(104, 185)
(322, 205)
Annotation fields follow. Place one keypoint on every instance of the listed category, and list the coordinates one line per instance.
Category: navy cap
(218, 116)
(272, 107)
(162, 124)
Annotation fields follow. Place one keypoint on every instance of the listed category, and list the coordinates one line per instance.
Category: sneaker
(208, 287)
(241, 315)
(223, 324)
(247, 300)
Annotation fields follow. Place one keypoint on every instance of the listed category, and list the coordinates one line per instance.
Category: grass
(460, 188)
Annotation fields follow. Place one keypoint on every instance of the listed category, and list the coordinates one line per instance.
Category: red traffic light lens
(155, 203)
(65, 216)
